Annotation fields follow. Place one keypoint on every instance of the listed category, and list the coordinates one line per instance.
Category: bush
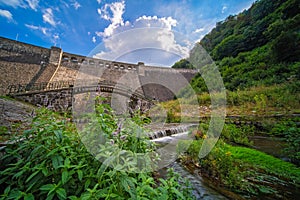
(238, 135)
(51, 162)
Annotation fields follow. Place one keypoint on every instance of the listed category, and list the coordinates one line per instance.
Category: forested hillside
(260, 46)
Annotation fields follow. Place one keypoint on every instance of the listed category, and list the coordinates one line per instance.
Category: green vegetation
(245, 171)
(230, 133)
(51, 162)
(260, 46)
(254, 101)
(257, 53)
(291, 132)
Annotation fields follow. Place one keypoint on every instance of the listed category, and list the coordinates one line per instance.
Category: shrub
(51, 162)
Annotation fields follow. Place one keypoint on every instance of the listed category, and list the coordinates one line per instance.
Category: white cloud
(224, 8)
(48, 17)
(76, 5)
(33, 4)
(94, 39)
(112, 12)
(99, 1)
(55, 38)
(199, 30)
(163, 22)
(146, 32)
(39, 28)
(6, 14)
(150, 39)
(13, 3)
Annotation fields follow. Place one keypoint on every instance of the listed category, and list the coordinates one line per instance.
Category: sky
(156, 32)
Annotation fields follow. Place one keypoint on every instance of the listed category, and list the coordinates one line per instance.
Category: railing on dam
(38, 87)
(79, 86)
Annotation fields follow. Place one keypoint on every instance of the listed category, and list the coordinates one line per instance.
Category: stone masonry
(22, 63)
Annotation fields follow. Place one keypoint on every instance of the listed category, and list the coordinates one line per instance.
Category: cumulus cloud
(150, 39)
(6, 14)
(48, 17)
(112, 12)
(154, 21)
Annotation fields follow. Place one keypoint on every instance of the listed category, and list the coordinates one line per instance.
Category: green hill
(260, 46)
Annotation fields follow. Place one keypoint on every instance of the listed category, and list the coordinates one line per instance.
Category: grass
(266, 162)
(245, 171)
(254, 101)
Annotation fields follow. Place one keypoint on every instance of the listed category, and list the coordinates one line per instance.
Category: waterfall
(170, 131)
(167, 140)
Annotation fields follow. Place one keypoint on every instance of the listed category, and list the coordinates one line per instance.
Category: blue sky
(156, 32)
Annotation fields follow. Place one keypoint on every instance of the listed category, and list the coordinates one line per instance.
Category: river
(168, 154)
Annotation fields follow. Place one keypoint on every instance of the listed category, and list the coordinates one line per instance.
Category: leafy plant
(51, 162)
(238, 135)
(243, 170)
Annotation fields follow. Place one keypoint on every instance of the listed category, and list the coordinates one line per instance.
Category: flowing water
(270, 145)
(167, 151)
(168, 139)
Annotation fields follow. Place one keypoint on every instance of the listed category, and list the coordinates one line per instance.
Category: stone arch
(65, 58)
(84, 61)
(74, 60)
(101, 64)
(107, 65)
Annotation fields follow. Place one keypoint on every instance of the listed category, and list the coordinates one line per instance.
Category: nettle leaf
(7, 190)
(67, 163)
(87, 184)
(80, 174)
(179, 194)
(29, 197)
(15, 194)
(85, 196)
(58, 134)
(20, 173)
(50, 196)
(45, 171)
(61, 193)
(53, 152)
(31, 176)
(56, 161)
(65, 177)
(47, 187)
(73, 197)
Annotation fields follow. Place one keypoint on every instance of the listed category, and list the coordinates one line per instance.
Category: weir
(167, 139)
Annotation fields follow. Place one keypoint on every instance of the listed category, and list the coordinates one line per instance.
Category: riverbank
(247, 172)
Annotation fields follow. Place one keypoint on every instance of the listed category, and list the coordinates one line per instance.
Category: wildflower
(115, 133)
(118, 129)
(228, 153)
(123, 137)
(112, 142)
